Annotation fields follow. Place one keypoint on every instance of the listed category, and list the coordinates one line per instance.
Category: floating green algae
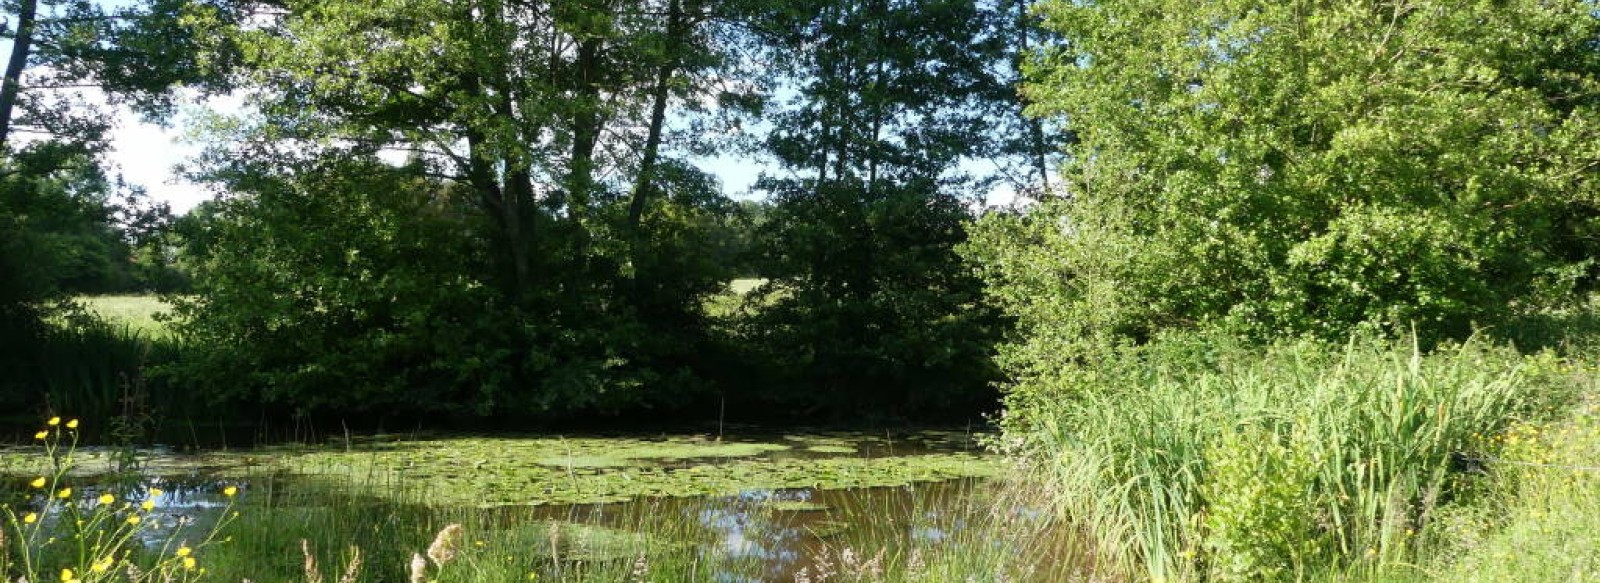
(508, 471)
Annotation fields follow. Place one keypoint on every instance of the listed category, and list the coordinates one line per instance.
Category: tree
(870, 307)
(1283, 169)
(545, 125)
(132, 54)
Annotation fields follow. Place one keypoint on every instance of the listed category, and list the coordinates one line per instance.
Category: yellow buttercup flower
(30, 518)
(148, 505)
(188, 563)
(54, 421)
(156, 492)
(41, 435)
(37, 482)
(230, 491)
(64, 494)
(107, 499)
(133, 519)
(101, 565)
(184, 551)
(73, 424)
(66, 575)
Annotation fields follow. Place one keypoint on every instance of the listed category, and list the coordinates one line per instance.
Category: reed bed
(1202, 458)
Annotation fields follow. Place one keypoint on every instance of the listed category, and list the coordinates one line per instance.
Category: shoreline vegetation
(1193, 457)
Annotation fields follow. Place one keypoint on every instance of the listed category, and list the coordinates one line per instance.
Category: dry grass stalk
(352, 570)
(445, 545)
(313, 574)
(419, 568)
(641, 569)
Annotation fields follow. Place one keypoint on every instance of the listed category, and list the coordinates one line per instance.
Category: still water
(755, 507)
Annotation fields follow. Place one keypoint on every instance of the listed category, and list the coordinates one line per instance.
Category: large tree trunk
(586, 122)
(20, 48)
(658, 113)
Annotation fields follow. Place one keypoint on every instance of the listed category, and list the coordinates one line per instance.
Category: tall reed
(1202, 458)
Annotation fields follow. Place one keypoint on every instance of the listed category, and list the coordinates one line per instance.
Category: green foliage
(1283, 169)
(348, 277)
(867, 306)
(352, 274)
(1199, 456)
(66, 227)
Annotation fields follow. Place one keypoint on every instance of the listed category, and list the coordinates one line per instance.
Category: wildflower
(54, 421)
(184, 551)
(68, 577)
(133, 519)
(37, 482)
(101, 565)
(188, 563)
(106, 499)
(30, 518)
(41, 435)
(148, 505)
(73, 424)
(230, 491)
(156, 492)
(64, 494)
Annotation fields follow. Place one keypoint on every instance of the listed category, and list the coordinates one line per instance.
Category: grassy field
(137, 312)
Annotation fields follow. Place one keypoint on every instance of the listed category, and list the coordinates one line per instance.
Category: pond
(752, 507)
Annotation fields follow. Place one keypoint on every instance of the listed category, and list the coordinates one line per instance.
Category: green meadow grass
(138, 313)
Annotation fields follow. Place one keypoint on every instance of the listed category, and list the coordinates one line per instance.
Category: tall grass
(1201, 458)
(100, 369)
(1544, 529)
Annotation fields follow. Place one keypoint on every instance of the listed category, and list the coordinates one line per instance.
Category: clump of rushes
(62, 533)
(1209, 459)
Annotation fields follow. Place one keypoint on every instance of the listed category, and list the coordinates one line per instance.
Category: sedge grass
(1202, 458)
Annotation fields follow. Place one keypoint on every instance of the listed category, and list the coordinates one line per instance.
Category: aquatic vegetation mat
(507, 471)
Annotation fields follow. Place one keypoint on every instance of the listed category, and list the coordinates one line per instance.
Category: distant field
(743, 286)
(137, 312)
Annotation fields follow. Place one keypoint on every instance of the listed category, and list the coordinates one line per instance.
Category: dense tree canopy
(1284, 169)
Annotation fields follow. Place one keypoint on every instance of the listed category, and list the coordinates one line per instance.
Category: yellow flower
(188, 563)
(230, 491)
(155, 492)
(133, 519)
(30, 518)
(101, 565)
(148, 505)
(107, 499)
(37, 482)
(64, 494)
(184, 551)
(73, 424)
(66, 575)
(41, 435)
(54, 421)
